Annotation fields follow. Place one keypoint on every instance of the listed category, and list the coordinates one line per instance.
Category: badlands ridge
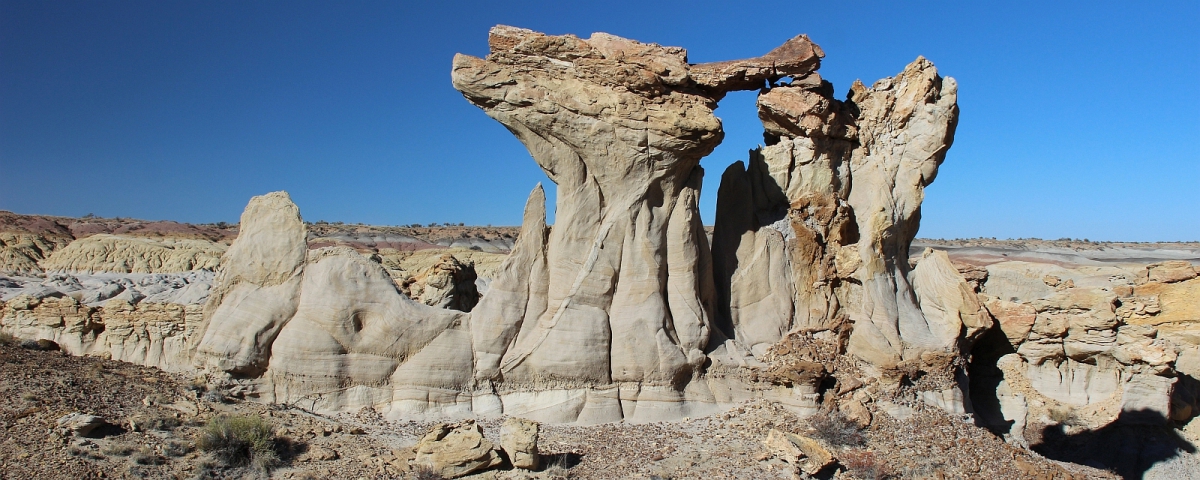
(809, 291)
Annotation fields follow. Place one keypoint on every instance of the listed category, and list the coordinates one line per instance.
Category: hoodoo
(623, 310)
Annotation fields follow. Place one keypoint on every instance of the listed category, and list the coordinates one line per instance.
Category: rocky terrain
(806, 333)
(152, 420)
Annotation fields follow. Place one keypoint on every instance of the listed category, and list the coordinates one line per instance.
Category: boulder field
(808, 291)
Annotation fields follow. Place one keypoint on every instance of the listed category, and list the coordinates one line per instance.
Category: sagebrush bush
(146, 456)
(147, 422)
(240, 442)
(865, 464)
(118, 450)
(833, 428)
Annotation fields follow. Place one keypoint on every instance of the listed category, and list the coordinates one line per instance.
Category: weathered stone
(80, 424)
(1015, 319)
(449, 283)
(518, 439)
(456, 450)
(856, 412)
(1173, 271)
(257, 288)
(804, 453)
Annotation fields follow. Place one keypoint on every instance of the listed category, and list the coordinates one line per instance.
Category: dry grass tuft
(836, 430)
(240, 442)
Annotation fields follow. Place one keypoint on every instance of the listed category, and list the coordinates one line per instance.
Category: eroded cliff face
(813, 232)
(621, 289)
(621, 310)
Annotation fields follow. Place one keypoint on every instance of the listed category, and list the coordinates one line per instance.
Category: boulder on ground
(518, 439)
(80, 424)
(455, 450)
(804, 453)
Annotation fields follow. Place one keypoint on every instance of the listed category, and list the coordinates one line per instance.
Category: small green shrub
(240, 442)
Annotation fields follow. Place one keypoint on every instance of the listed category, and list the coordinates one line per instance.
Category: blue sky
(1079, 119)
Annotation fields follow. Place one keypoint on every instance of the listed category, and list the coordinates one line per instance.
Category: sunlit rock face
(621, 310)
(624, 278)
(813, 232)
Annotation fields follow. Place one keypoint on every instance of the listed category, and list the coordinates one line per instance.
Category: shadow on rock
(560, 461)
(1128, 447)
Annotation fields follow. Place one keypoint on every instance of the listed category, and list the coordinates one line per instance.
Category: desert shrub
(175, 448)
(1063, 416)
(240, 442)
(118, 450)
(145, 456)
(833, 428)
(7, 339)
(864, 464)
(425, 473)
(154, 422)
(558, 467)
(81, 452)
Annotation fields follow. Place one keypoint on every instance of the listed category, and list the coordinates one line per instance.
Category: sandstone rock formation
(619, 127)
(814, 231)
(26, 241)
(453, 451)
(518, 439)
(1079, 344)
(809, 295)
(449, 283)
(615, 312)
(113, 253)
(806, 454)
(257, 289)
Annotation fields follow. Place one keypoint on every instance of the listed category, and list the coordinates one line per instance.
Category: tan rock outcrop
(806, 454)
(257, 288)
(618, 125)
(154, 334)
(620, 310)
(453, 451)
(125, 254)
(448, 283)
(22, 253)
(27, 240)
(814, 230)
(518, 439)
(1088, 352)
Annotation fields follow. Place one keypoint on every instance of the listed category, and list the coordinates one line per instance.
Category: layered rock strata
(1085, 347)
(620, 310)
(615, 312)
(813, 232)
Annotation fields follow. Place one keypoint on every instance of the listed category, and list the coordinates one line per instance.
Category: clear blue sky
(1079, 119)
